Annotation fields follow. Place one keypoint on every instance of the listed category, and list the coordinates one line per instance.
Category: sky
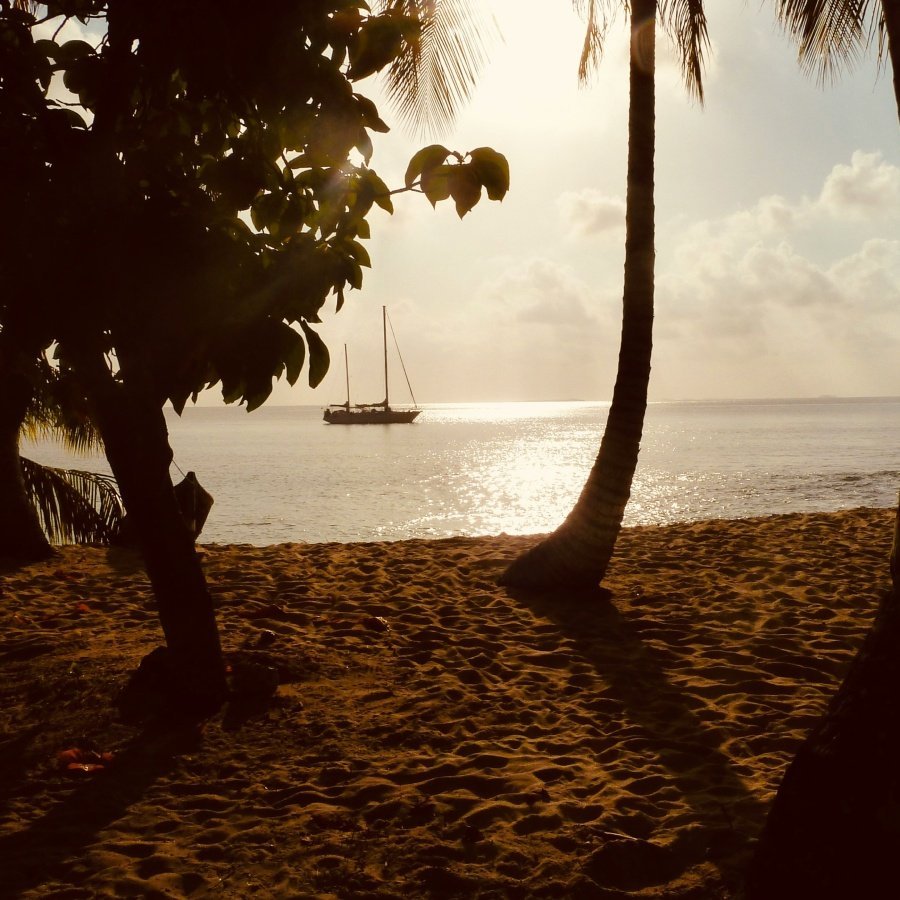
(777, 229)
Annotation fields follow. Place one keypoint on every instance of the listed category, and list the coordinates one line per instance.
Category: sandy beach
(432, 734)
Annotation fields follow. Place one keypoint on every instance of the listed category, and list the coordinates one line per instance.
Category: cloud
(744, 296)
(774, 214)
(867, 188)
(590, 212)
(865, 191)
(758, 243)
(780, 275)
(542, 292)
(785, 296)
(750, 291)
(872, 273)
(535, 331)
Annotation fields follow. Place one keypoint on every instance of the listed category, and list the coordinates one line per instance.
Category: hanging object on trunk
(194, 503)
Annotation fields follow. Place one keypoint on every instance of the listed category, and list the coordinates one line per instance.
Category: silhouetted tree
(190, 119)
(833, 828)
(577, 554)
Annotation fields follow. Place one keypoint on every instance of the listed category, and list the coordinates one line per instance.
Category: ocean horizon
(281, 474)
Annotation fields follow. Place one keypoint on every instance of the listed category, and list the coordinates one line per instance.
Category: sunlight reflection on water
(281, 474)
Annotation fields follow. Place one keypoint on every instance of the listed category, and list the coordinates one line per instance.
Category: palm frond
(77, 434)
(685, 22)
(437, 72)
(58, 412)
(832, 34)
(73, 506)
(599, 16)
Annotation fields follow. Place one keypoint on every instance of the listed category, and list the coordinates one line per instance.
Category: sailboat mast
(384, 331)
(347, 375)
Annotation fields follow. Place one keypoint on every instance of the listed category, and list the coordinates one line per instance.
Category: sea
(281, 474)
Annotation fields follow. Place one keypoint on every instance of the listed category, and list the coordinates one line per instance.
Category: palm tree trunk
(21, 535)
(134, 433)
(891, 10)
(832, 831)
(577, 554)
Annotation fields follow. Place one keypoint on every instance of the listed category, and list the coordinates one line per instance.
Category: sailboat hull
(370, 416)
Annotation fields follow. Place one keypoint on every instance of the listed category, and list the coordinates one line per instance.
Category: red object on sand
(80, 761)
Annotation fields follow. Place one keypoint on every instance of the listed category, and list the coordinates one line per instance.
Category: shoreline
(433, 734)
(531, 537)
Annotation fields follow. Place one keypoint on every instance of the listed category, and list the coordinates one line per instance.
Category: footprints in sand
(434, 736)
(604, 742)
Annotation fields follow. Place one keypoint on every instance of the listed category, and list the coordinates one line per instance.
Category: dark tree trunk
(21, 535)
(129, 417)
(891, 9)
(834, 827)
(577, 554)
(134, 433)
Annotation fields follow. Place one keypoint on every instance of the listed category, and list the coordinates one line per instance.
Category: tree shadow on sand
(125, 560)
(728, 814)
(46, 848)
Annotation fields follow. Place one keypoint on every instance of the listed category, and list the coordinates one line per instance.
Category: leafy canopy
(186, 193)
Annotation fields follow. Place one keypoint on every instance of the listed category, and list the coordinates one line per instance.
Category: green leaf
(257, 394)
(294, 215)
(364, 144)
(436, 183)
(319, 359)
(492, 169)
(294, 355)
(378, 43)
(48, 48)
(179, 397)
(360, 254)
(265, 209)
(232, 389)
(423, 162)
(465, 188)
(238, 179)
(294, 128)
(72, 50)
(354, 275)
(72, 118)
(380, 192)
(91, 84)
(370, 117)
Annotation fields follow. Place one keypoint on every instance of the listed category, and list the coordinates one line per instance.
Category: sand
(434, 735)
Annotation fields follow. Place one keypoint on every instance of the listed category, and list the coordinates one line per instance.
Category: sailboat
(372, 413)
